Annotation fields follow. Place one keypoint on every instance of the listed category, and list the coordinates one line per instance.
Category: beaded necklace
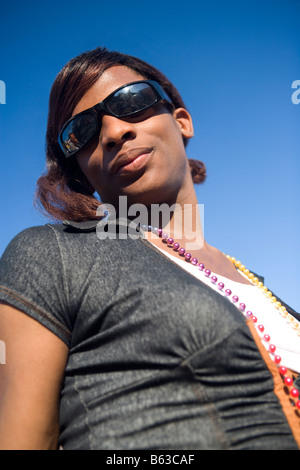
(264, 336)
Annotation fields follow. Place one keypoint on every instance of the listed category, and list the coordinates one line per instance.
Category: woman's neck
(185, 225)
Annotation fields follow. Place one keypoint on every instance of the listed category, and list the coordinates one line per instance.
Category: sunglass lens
(78, 132)
(131, 99)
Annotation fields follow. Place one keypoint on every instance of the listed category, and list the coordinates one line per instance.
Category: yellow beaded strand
(294, 323)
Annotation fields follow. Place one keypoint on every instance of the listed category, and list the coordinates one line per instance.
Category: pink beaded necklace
(265, 337)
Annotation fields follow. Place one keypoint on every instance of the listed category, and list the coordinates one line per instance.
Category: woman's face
(143, 157)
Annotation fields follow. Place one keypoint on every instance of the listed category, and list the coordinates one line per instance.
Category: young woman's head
(66, 190)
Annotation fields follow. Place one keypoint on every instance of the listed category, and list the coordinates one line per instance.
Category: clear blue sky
(234, 63)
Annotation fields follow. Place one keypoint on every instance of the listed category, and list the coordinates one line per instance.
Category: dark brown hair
(63, 191)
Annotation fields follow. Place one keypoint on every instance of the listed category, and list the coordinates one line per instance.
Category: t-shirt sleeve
(32, 280)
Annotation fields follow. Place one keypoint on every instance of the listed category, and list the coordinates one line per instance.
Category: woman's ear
(184, 121)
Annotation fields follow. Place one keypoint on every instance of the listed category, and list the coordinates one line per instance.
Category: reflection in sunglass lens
(129, 100)
(132, 99)
(79, 131)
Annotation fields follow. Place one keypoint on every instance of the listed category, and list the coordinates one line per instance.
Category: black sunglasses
(128, 100)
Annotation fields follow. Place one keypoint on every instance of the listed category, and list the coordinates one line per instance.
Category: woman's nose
(115, 131)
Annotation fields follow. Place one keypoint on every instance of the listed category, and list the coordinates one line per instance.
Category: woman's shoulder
(51, 242)
(42, 235)
(34, 237)
(37, 231)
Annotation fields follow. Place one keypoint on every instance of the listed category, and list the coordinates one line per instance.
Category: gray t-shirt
(157, 359)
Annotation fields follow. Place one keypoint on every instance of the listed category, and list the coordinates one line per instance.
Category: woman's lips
(131, 161)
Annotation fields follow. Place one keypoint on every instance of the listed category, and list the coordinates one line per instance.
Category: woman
(115, 338)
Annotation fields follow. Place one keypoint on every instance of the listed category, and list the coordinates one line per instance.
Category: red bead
(282, 370)
(294, 393)
(288, 381)
(267, 338)
(277, 359)
(170, 241)
(272, 348)
(261, 328)
(254, 319)
(298, 404)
